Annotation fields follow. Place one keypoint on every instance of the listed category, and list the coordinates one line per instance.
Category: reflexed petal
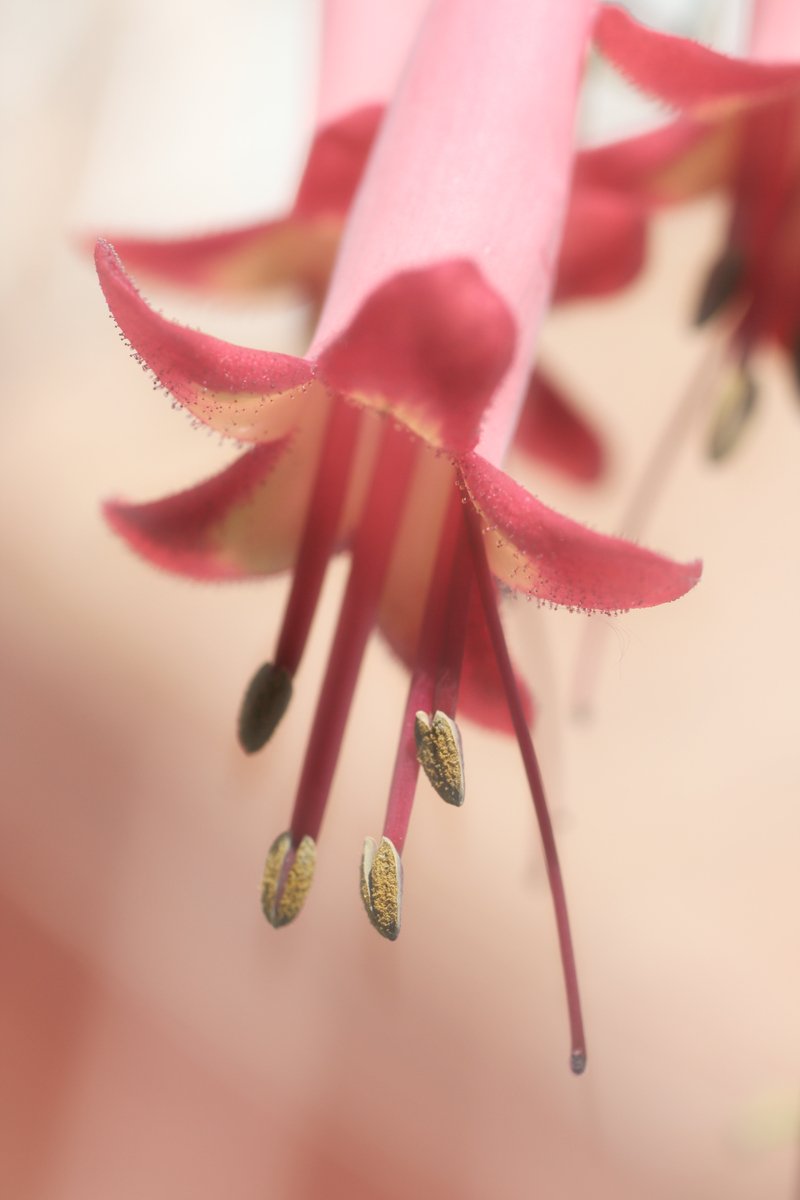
(554, 432)
(603, 246)
(685, 74)
(684, 159)
(244, 521)
(296, 250)
(548, 556)
(430, 346)
(251, 395)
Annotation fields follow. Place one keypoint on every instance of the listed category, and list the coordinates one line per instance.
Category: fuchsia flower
(386, 439)
(363, 48)
(740, 132)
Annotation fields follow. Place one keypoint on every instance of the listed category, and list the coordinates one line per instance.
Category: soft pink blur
(157, 1038)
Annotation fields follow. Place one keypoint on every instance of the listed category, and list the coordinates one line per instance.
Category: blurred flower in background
(157, 1038)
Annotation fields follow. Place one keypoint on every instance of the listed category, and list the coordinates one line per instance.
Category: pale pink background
(157, 1039)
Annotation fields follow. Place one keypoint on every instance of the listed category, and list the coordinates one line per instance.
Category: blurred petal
(553, 431)
(685, 74)
(482, 698)
(298, 249)
(548, 556)
(603, 246)
(678, 161)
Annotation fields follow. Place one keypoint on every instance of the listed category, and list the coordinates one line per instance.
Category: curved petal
(298, 249)
(552, 430)
(603, 246)
(674, 163)
(242, 522)
(548, 556)
(428, 346)
(685, 74)
(251, 395)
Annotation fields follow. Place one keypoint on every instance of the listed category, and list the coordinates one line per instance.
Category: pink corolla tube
(363, 48)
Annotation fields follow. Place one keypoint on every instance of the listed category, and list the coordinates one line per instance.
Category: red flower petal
(536, 550)
(244, 521)
(682, 159)
(554, 432)
(482, 697)
(298, 249)
(603, 245)
(685, 74)
(429, 346)
(336, 163)
(251, 395)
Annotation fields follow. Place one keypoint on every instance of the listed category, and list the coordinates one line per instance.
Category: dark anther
(720, 285)
(265, 701)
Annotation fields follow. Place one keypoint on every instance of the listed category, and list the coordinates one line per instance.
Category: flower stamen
(270, 690)
(488, 597)
(371, 554)
(440, 754)
(382, 886)
(287, 877)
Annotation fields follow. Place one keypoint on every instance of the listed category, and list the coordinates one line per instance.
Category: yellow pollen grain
(440, 756)
(283, 892)
(382, 886)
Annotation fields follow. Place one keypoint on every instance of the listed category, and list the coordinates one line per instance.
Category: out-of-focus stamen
(288, 873)
(265, 701)
(382, 886)
(720, 285)
(735, 405)
(652, 482)
(440, 755)
(488, 596)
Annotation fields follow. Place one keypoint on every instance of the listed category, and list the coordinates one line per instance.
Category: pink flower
(386, 438)
(741, 132)
(363, 48)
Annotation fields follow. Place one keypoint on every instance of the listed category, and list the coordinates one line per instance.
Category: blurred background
(157, 1039)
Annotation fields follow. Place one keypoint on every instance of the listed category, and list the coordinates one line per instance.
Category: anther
(735, 405)
(440, 755)
(577, 1062)
(721, 283)
(288, 873)
(382, 886)
(265, 701)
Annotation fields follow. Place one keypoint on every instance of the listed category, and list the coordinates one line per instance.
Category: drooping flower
(363, 48)
(740, 132)
(386, 439)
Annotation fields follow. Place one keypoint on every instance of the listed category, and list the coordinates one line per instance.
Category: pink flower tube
(363, 49)
(386, 438)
